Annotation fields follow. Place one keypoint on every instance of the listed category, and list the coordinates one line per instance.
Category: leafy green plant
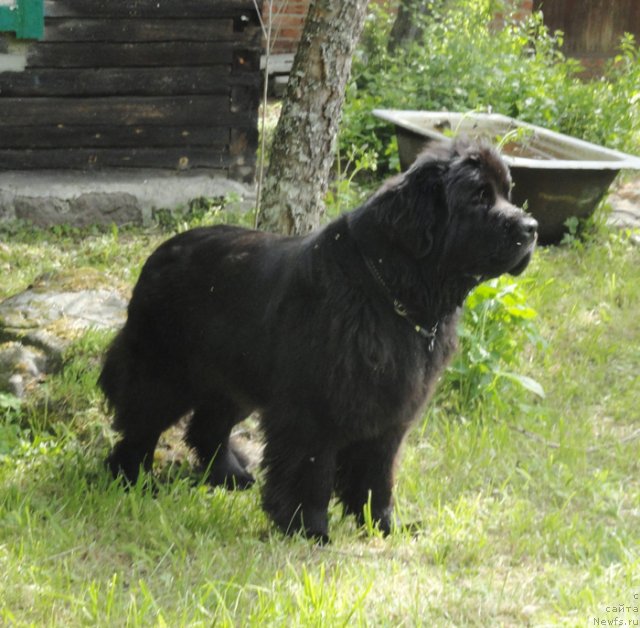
(571, 237)
(10, 429)
(497, 328)
(582, 231)
(343, 193)
(610, 114)
(199, 211)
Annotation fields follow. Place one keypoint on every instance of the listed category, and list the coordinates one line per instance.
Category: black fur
(224, 321)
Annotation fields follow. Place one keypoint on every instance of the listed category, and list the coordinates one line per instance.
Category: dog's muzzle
(524, 234)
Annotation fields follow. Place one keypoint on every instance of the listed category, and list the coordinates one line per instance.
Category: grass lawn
(527, 509)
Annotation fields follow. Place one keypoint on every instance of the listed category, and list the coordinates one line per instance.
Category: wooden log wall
(592, 28)
(171, 84)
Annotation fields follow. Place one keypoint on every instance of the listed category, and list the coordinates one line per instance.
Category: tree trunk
(302, 151)
(407, 27)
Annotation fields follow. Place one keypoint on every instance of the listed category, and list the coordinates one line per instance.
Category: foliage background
(465, 61)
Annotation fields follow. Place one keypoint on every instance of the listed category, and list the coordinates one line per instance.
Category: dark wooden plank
(156, 54)
(246, 61)
(100, 55)
(173, 158)
(166, 111)
(127, 30)
(125, 81)
(244, 99)
(148, 8)
(244, 142)
(591, 29)
(101, 136)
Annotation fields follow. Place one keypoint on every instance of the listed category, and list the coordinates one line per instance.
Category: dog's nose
(527, 227)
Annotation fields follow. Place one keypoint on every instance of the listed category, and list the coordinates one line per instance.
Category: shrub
(464, 62)
(497, 327)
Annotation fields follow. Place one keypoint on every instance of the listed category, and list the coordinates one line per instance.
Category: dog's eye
(483, 196)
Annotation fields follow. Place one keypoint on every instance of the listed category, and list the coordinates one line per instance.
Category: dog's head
(486, 234)
(459, 197)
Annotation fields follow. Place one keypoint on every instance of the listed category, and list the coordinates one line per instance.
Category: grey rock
(625, 205)
(16, 385)
(19, 366)
(37, 325)
(79, 310)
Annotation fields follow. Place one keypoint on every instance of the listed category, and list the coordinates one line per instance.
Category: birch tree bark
(302, 151)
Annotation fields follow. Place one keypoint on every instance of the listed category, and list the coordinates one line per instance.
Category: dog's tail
(115, 370)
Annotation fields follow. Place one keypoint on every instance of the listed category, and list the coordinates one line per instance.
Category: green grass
(526, 511)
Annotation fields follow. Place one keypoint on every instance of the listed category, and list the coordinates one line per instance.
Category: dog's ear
(410, 207)
(421, 203)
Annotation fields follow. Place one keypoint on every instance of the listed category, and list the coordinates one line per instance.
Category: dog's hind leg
(143, 410)
(208, 434)
(147, 396)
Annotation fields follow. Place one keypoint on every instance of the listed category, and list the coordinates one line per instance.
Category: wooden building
(161, 84)
(174, 84)
(592, 28)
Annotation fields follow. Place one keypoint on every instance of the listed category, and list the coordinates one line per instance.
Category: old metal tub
(555, 176)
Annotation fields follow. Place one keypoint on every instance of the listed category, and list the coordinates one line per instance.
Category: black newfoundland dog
(336, 338)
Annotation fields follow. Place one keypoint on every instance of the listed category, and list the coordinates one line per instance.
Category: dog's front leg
(300, 473)
(365, 477)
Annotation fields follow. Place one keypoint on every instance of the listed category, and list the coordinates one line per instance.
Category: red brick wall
(287, 22)
(523, 8)
(518, 10)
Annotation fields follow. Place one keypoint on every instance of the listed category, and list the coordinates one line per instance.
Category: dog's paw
(311, 524)
(229, 472)
(238, 481)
